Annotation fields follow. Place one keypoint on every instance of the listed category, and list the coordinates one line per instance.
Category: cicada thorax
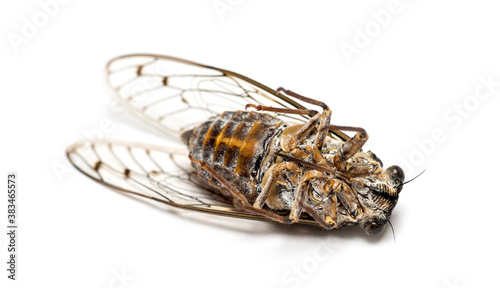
(238, 146)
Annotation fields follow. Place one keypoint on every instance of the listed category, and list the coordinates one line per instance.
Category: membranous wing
(175, 95)
(150, 171)
(154, 172)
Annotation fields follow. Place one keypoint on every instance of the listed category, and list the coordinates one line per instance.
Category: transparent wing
(153, 172)
(175, 95)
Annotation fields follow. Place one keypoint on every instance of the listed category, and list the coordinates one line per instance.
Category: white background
(409, 74)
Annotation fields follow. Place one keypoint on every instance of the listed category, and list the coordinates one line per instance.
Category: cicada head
(379, 194)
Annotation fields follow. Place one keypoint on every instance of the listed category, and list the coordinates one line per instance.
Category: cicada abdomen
(237, 146)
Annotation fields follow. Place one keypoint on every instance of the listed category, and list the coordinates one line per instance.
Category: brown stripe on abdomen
(234, 145)
(255, 147)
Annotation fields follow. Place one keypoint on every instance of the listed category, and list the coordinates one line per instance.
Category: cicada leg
(325, 225)
(288, 172)
(239, 199)
(317, 180)
(298, 134)
(323, 118)
(285, 172)
(345, 195)
(351, 146)
(333, 191)
(326, 116)
(328, 202)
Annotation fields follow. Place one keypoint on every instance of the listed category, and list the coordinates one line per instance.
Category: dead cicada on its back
(252, 152)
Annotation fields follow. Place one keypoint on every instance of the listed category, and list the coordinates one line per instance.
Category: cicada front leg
(350, 147)
(325, 193)
(286, 178)
(315, 180)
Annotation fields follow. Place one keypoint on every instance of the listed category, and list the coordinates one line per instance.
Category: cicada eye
(374, 228)
(397, 176)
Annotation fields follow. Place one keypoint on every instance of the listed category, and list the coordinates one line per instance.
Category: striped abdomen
(234, 145)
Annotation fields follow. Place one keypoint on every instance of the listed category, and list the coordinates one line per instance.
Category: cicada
(251, 152)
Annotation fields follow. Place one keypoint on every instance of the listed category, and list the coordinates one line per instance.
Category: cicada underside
(255, 153)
